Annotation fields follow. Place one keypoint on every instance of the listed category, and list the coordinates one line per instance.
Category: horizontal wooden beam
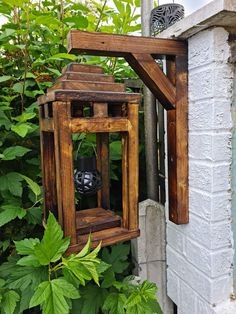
(151, 74)
(93, 96)
(99, 125)
(107, 237)
(121, 45)
(88, 86)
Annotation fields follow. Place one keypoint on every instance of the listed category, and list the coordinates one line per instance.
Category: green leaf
(8, 304)
(61, 56)
(84, 265)
(11, 182)
(143, 299)
(13, 152)
(93, 299)
(116, 150)
(30, 260)
(7, 33)
(21, 129)
(120, 7)
(4, 121)
(25, 116)
(14, 3)
(115, 303)
(5, 78)
(34, 215)
(26, 277)
(77, 21)
(109, 278)
(117, 257)
(10, 212)
(52, 246)
(55, 71)
(26, 246)
(47, 20)
(18, 87)
(51, 295)
(35, 188)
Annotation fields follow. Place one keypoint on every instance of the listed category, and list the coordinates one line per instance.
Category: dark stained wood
(106, 237)
(122, 45)
(151, 74)
(177, 132)
(83, 76)
(63, 118)
(48, 170)
(125, 181)
(96, 219)
(87, 68)
(100, 111)
(98, 125)
(88, 86)
(133, 164)
(89, 96)
(64, 169)
(182, 138)
(47, 125)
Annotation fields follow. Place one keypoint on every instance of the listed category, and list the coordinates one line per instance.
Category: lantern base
(95, 219)
(107, 237)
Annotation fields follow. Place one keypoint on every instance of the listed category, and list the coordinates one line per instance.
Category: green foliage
(132, 298)
(40, 276)
(33, 53)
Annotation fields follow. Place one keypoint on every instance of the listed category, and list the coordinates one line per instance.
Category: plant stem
(101, 16)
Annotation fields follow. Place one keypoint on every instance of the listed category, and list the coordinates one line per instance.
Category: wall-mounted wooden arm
(171, 90)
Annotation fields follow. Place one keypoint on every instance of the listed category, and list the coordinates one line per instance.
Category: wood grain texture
(106, 237)
(48, 170)
(64, 169)
(88, 86)
(182, 138)
(100, 111)
(87, 68)
(125, 181)
(133, 165)
(177, 132)
(88, 96)
(83, 76)
(95, 219)
(47, 125)
(151, 74)
(121, 45)
(99, 125)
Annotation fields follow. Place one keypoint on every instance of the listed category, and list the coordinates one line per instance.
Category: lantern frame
(60, 116)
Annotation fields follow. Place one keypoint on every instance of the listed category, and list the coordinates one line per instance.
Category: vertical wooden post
(177, 130)
(103, 165)
(182, 137)
(48, 169)
(133, 162)
(125, 178)
(64, 168)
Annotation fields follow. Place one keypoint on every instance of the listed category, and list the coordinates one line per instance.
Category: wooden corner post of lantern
(62, 114)
(171, 90)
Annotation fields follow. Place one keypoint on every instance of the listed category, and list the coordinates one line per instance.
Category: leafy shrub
(40, 275)
(33, 52)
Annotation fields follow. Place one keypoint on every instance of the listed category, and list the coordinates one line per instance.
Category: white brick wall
(200, 254)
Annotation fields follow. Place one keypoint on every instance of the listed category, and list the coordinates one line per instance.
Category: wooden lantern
(61, 115)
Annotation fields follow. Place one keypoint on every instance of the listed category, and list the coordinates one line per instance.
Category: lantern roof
(82, 82)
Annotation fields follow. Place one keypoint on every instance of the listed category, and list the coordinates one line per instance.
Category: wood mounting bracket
(170, 89)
